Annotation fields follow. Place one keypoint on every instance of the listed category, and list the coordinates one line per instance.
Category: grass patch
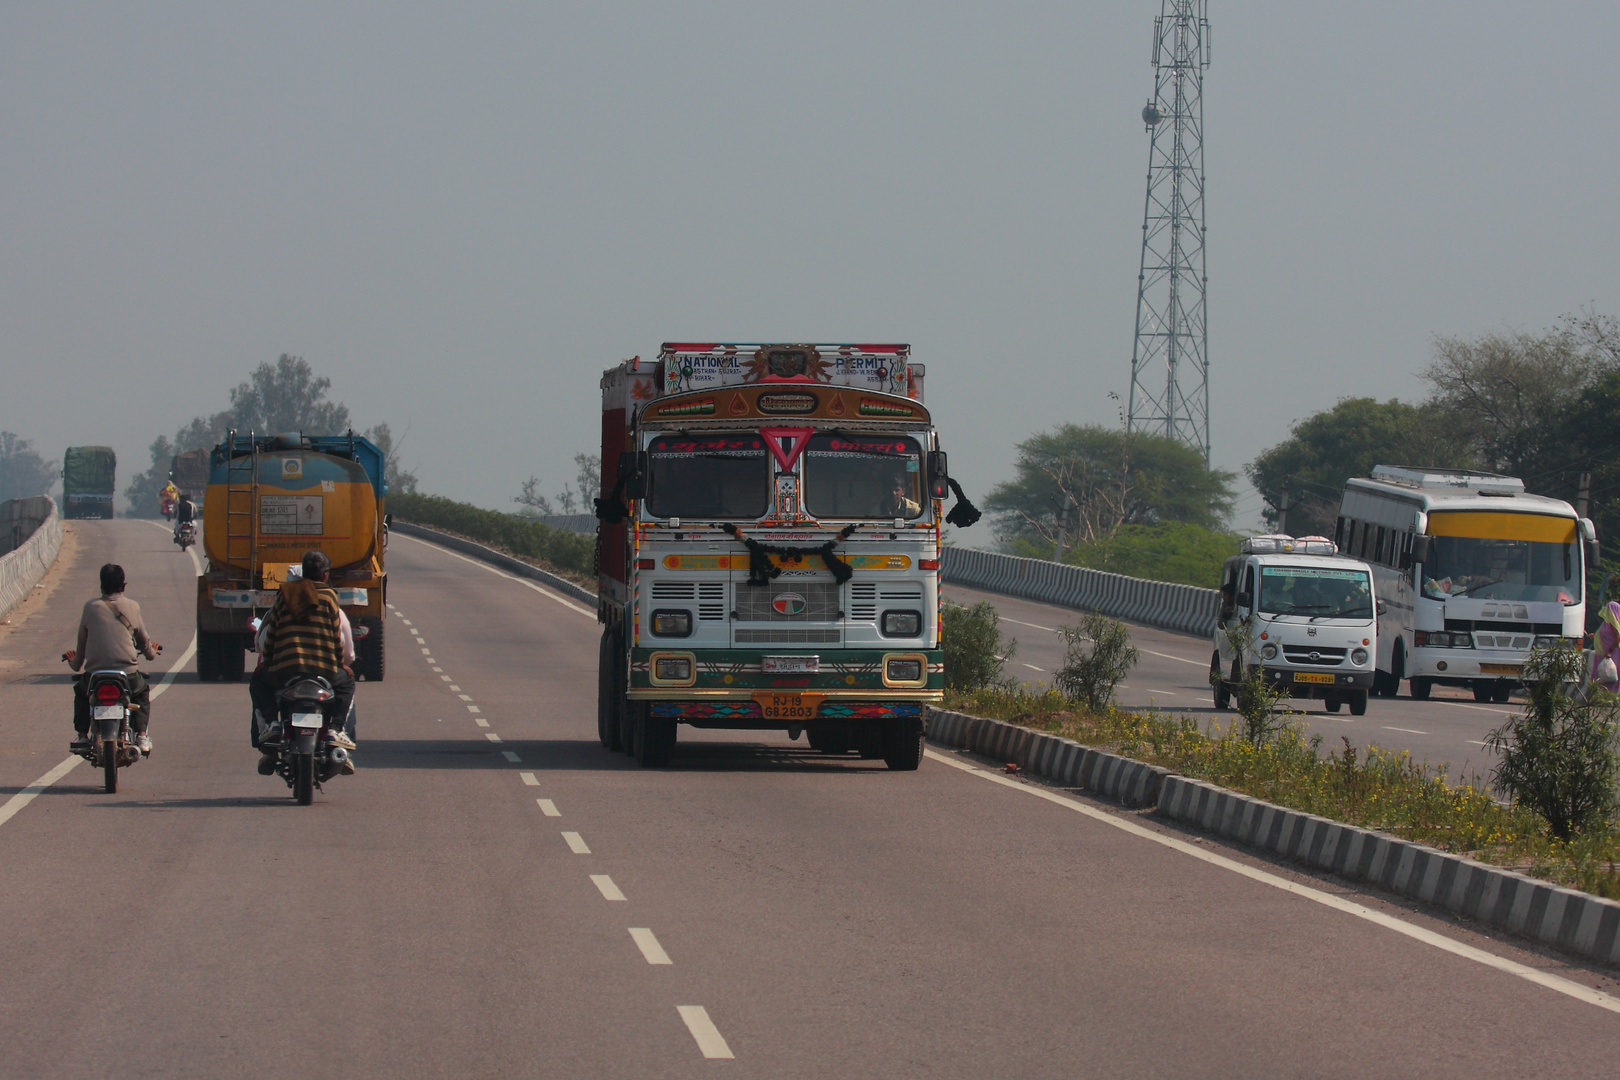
(1372, 788)
(568, 555)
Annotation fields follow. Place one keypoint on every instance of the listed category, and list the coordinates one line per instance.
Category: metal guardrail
(496, 558)
(37, 525)
(1162, 604)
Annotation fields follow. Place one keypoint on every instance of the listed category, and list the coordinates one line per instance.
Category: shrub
(1257, 697)
(567, 552)
(975, 651)
(1558, 756)
(1091, 675)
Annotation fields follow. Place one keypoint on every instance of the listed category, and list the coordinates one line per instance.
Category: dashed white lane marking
(1476, 742)
(547, 593)
(1349, 907)
(491, 736)
(427, 650)
(1054, 630)
(480, 721)
(1032, 626)
(576, 843)
(1167, 656)
(463, 697)
(474, 709)
(440, 669)
(1166, 693)
(547, 807)
(529, 780)
(703, 1030)
(1344, 719)
(446, 678)
(648, 944)
(604, 884)
(509, 756)
(1407, 730)
(1032, 667)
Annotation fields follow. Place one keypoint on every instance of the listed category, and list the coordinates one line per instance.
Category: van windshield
(719, 477)
(1316, 592)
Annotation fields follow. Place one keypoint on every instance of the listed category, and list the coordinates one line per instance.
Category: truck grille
(788, 602)
(1311, 654)
(863, 601)
(786, 635)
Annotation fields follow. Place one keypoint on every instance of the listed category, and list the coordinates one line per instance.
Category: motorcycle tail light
(109, 694)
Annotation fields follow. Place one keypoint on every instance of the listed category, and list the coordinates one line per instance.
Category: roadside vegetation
(567, 554)
(1559, 767)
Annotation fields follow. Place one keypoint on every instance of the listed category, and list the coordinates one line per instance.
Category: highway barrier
(1162, 604)
(496, 558)
(1566, 919)
(30, 536)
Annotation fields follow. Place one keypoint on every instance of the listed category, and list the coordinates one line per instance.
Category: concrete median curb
(40, 525)
(496, 558)
(1566, 919)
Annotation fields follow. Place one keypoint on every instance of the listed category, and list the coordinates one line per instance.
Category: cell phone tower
(1170, 358)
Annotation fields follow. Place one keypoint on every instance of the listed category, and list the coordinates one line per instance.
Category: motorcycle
(111, 743)
(301, 748)
(185, 534)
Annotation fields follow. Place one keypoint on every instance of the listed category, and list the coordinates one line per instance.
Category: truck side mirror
(388, 521)
(633, 473)
(938, 475)
(1422, 550)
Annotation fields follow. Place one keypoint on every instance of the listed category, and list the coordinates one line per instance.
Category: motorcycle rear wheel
(304, 778)
(109, 767)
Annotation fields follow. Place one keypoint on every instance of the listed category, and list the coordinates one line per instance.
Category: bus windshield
(1317, 592)
(1490, 569)
(721, 477)
(862, 476)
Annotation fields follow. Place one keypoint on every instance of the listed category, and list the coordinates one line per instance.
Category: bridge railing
(1185, 608)
(30, 536)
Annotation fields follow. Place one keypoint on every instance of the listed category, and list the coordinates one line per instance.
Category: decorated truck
(768, 548)
(269, 500)
(88, 481)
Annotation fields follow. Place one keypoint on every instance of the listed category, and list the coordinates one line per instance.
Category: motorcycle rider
(185, 511)
(305, 633)
(166, 498)
(112, 636)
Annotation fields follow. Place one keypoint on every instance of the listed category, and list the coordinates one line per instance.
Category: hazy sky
(462, 213)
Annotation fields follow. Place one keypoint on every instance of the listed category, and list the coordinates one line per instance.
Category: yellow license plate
(1500, 669)
(789, 706)
(1307, 676)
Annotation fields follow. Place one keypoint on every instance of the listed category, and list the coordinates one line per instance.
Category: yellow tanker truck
(269, 500)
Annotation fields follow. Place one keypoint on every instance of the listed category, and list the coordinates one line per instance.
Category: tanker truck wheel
(371, 660)
(231, 656)
(207, 659)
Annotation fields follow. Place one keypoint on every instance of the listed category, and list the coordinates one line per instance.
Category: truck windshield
(1316, 592)
(862, 476)
(1502, 570)
(721, 477)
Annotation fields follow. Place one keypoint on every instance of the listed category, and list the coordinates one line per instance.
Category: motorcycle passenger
(112, 636)
(305, 633)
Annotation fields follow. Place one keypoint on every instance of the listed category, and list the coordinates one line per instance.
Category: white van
(1315, 628)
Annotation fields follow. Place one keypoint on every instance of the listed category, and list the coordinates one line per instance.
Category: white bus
(1471, 573)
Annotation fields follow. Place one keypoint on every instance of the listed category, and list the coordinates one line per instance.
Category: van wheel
(1332, 704)
(1420, 688)
(1358, 703)
(1223, 693)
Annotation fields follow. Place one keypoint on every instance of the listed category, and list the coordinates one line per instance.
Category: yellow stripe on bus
(1497, 526)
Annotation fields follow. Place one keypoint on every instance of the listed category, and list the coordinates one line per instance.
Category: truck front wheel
(902, 745)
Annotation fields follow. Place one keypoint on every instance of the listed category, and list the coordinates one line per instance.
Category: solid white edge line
(704, 1032)
(648, 944)
(542, 590)
(605, 886)
(1388, 922)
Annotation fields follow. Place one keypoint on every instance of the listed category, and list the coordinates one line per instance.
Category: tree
(399, 480)
(1328, 448)
(1077, 483)
(1166, 551)
(23, 473)
(569, 501)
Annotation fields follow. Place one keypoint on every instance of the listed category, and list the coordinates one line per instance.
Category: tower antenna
(1170, 357)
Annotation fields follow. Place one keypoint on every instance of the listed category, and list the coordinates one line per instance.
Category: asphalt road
(1447, 731)
(452, 912)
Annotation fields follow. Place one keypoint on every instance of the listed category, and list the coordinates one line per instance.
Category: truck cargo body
(268, 501)
(89, 479)
(778, 565)
(189, 471)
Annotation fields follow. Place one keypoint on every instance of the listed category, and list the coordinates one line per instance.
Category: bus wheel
(1421, 688)
(1484, 692)
(1503, 691)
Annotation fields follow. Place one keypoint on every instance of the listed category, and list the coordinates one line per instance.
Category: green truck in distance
(88, 475)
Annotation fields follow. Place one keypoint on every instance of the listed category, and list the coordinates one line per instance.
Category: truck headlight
(904, 671)
(1358, 657)
(1269, 651)
(672, 623)
(902, 623)
(672, 668)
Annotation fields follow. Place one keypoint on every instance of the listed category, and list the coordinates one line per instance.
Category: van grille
(1313, 655)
